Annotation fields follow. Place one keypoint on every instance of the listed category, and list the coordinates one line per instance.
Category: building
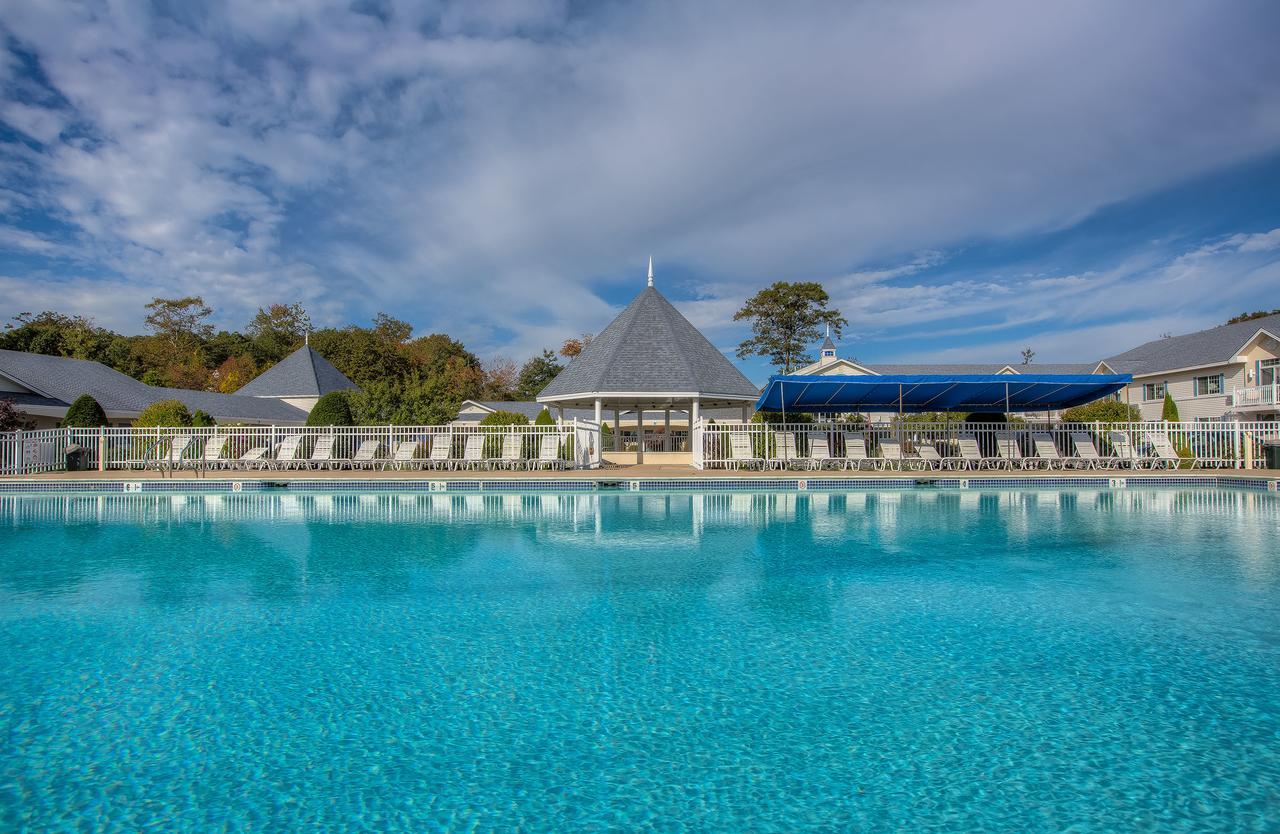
(650, 359)
(43, 387)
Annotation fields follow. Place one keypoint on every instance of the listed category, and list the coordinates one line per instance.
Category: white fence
(1236, 445)
(576, 446)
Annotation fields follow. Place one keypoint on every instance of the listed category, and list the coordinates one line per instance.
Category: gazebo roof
(650, 354)
(303, 373)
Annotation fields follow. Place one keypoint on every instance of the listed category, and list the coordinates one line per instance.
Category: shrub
(544, 418)
(202, 420)
(11, 419)
(1102, 411)
(504, 418)
(333, 409)
(1170, 411)
(163, 413)
(84, 413)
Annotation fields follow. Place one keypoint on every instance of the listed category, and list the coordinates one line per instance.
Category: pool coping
(816, 482)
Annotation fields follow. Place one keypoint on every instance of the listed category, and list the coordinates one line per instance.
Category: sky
(965, 179)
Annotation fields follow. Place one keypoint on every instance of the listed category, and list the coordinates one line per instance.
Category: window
(1208, 386)
(1268, 372)
(1152, 391)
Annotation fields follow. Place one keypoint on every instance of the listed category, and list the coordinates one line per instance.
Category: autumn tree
(500, 379)
(572, 347)
(785, 319)
(179, 327)
(278, 331)
(234, 373)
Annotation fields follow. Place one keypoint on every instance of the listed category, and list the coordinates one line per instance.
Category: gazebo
(650, 358)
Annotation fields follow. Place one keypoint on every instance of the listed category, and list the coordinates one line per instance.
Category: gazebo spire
(651, 270)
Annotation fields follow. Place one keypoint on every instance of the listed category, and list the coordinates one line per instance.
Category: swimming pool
(1004, 660)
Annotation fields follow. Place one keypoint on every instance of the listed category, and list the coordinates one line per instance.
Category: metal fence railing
(199, 450)
(1217, 444)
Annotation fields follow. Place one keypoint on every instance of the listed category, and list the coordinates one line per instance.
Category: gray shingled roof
(1207, 347)
(988, 368)
(303, 373)
(62, 380)
(650, 349)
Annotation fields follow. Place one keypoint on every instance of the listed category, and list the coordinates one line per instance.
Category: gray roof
(650, 349)
(59, 381)
(987, 368)
(827, 344)
(1206, 347)
(303, 373)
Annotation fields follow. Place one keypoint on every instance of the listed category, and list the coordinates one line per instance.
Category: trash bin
(1271, 453)
(77, 458)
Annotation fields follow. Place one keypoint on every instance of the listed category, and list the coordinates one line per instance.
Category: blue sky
(965, 179)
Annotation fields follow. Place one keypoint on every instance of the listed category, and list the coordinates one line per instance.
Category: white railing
(1197, 444)
(1257, 397)
(189, 449)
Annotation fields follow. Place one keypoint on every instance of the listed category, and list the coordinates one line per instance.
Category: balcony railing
(1262, 396)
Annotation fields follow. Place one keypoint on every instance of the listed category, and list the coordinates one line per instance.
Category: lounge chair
(174, 459)
(855, 451)
(740, 452)
(513, 452)
(441, 453)
(287, 454)
(549, 452)
(892, 456)
(1086, 456)
(255, 458)
(971, 456)
(819, 451)
(784, 450)
(472, 453)
(928, 454)
(1010, 450)
(406, 455)
(1125, 452)
(1165, 455)
(366, 456)
(1047, 451)
(213, 448)
(322, 453)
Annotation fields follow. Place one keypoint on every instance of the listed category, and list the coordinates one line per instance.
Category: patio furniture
(855, 451)
(740, 452)
(784, 450)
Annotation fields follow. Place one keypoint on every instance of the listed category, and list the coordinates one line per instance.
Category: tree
(572, 347)
(1256, 314)
(536, 374)
(416, 400)
(173, 351)
(360, 354)
(202, 420)
(785, 319)
(1027, 355)
(1102, 411)
(544, 418)
(442, 356)
(332, 409)
(84, 413)
(234, 373)
(11, 419)
(163, 414)
(392, 331)
(500, 379)
(278, 331)
(504, 418)
(1169, 413)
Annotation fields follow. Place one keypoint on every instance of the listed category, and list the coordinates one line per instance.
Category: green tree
(413, 401)
(277, 331)
(504, 418)
(785, 319)
(361, 354)
(544, 418)
(84, 413)
(392, 331)
(179, 330)
(163, 414)
(1102, 411)
(1170, 411)
(55, 334)
(202, 420)
(332, 409)
(536, 374)
(1256, 314)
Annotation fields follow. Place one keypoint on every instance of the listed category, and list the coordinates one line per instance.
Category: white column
(639, 434)
(617, 431)
(693, 411)
(599, 411)
(746, 412)
(666, 431)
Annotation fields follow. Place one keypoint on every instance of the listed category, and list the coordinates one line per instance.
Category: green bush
(1102, 411)
(163, 413)
(544, 418)
(504, 418)
(202, 420)
(1170, 411)
(333, 409)
(84, 413)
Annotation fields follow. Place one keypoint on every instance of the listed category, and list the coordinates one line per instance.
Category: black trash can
(77, 458)
(1271, 453)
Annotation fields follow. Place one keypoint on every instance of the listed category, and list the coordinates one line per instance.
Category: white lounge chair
(784, 450)
(513, 452)
(472, 453)
(855, 451)
(1047, 450)
(1086, 456)
(255, 458)
(366, 456)
(819, 451)
(1010, 450)
(1126, 453)
(928, 454)
(892, 456)
(441, 453)
(406, 455)
(971, 456)
(287, 454)
(322, 453)
(1165, 455)
(549, 452)
(213, 448)
(740, 452)
(174, 457)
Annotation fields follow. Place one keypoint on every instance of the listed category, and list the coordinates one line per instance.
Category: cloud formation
(500, 171)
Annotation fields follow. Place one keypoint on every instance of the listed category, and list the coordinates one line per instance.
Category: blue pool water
(1020, 661)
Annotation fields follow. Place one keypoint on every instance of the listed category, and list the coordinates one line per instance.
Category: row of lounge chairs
(183, 452)
(967, 452)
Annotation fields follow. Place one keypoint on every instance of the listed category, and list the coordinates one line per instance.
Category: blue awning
(936, 392)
